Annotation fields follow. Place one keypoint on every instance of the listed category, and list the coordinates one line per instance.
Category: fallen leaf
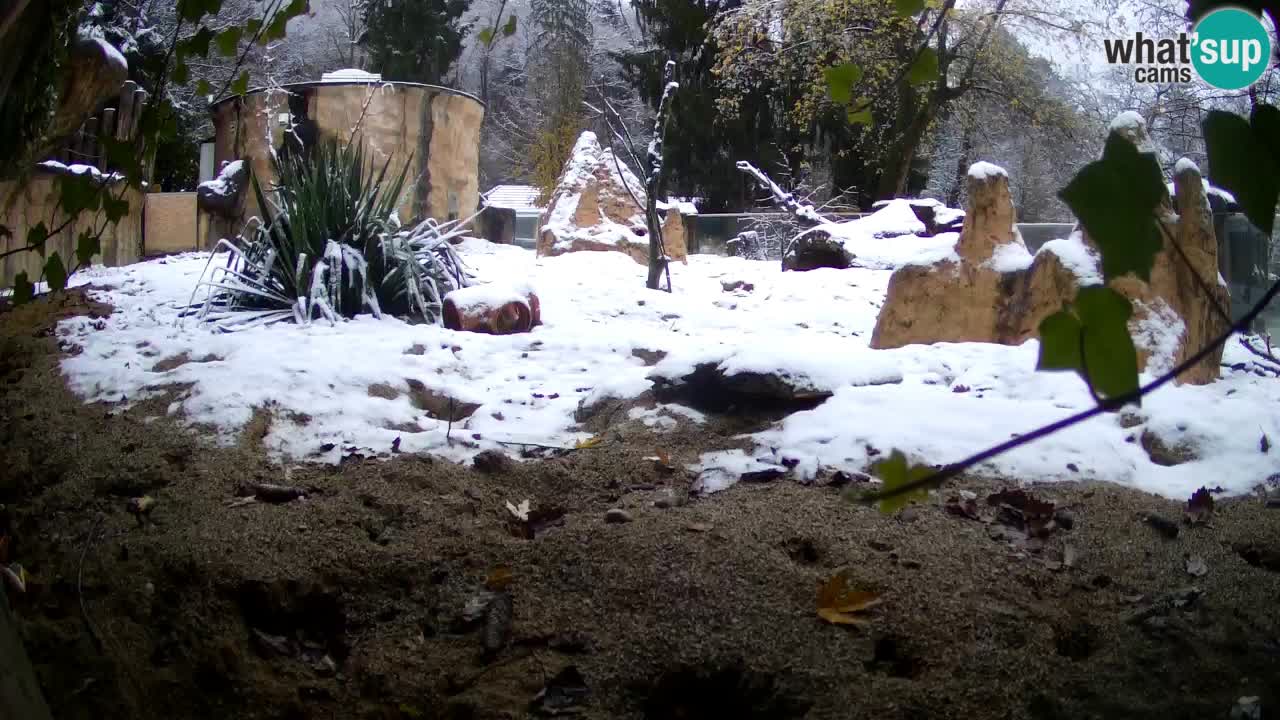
(961, 507)
(521, 511)
(16, 576)
(837, 601)
(499, 578)
(699, 527)
(588, 443)
(1196, 566)
(1200, 507)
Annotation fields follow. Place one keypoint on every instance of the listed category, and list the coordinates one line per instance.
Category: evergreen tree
(414, 40)
(702, 145)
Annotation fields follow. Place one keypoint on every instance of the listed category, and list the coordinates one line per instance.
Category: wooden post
(124, 119)
(19, 691)
(106, 130)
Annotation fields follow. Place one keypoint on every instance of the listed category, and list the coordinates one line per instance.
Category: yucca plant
(332, 247)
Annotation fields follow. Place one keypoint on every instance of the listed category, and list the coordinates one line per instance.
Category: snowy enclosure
(334, 390)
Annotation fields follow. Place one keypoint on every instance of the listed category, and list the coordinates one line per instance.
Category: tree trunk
(962, 166)
(19, 692)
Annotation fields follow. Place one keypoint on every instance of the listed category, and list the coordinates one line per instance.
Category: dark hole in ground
(803, 550)
(708, 390)
(892, 658)
(311, 615)
(1076, 641)
(701, 693)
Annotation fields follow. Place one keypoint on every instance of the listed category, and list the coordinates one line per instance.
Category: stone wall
(171, 225)
(24, 207)
(433, 131)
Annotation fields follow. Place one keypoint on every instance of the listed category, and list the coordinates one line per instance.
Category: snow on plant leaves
(837, 601)
(1115, 199)
(1091, 337)
(1244, 158)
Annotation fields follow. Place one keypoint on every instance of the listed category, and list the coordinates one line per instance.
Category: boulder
(937, 217)
(991, 290)
(493, 309)
(598, 205)
(496, 224)
(817, 248)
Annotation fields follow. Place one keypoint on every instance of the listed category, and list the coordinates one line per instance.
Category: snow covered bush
(332, 247)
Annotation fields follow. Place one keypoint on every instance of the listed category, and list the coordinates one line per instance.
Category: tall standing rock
(598, 205)
(965, 297)
(991, 290)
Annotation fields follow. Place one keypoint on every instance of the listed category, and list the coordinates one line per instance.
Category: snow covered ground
(937, 403)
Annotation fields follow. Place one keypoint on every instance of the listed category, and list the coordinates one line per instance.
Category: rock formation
(599, 205)
(992, 290)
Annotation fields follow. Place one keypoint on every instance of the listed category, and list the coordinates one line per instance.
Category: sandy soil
(353, 602)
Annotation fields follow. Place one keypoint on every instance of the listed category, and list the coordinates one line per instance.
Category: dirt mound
(374, 597)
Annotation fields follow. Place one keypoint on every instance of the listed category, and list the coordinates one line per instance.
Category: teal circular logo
(1231, 48)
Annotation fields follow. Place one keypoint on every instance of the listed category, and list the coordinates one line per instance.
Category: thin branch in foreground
(953, 470)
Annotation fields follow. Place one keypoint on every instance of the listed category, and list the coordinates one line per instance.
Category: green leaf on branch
(78, 193)
(276, 29)
(925, 69)
(1115, 199)
(115, 208)
(198, 44)
(907, 8)
(1060, 342)
(894, 473)
(1244, 158)
(510, 28)
(37, 236)
(23, 289)
(228, 41)
(87, 246)
(203, 88)
(486, 37)
(1091, 337)
(840, 81)
(55, 273)
(241, 84)
(181, 73)
(860, 117)
(252, 26)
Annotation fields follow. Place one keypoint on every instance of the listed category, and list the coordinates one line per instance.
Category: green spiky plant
(331, 246)
(333, 217)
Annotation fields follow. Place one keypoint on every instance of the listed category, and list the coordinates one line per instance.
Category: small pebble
(617, 515)
(662, 503)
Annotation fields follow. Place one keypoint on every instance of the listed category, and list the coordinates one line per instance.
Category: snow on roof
(983, 170)
(350, 75)
(516, 197)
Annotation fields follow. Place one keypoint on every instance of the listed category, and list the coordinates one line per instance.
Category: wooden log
(139, 104)
(125, 116)
(91, 142)
(106, 130)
